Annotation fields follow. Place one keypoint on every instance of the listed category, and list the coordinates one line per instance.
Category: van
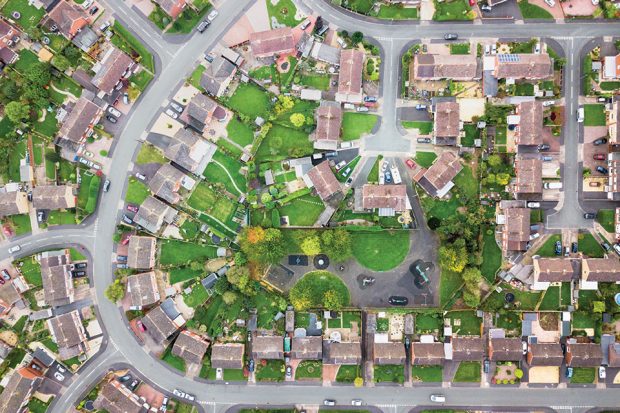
(552, 185)
(580, 115)
(438, 398)
(305, 25)
(534, 236)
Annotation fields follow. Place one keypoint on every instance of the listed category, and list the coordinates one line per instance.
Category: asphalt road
(177, 60)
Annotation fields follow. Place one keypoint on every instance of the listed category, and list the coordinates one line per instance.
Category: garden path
(62, 92)
(229, 176)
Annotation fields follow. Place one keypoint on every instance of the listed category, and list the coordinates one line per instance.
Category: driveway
(508, 9)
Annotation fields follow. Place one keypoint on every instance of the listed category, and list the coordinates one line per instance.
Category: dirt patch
(544, 375)
(9, 338)
(549, 321)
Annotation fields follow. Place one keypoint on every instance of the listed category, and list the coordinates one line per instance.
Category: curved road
(177, 62)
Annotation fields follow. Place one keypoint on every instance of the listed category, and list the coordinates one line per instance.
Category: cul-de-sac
(309, 206)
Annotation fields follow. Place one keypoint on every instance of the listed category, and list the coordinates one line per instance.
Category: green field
(250, 100)
(174, 361)
(354, 125)
(455, 10)
(197, 297)
(397, 12)
(177, 252)
(425, 159)
(309, 369)
(594, 115)
(303, 211)
(380, 250)
(30, 15)
(217, 173)
(425, 127)
(427, 373)
(347, 374)
(491, 255)
(389, 373)
(459, 48)
(532, 11)
(137, 192)
(590, 246)
(320, 82)
(468, 372)
(272, 371)
(283, 11)
(281, 141)
(316, 284)
(548, 248)
(239, 132)
(150, 154)
(606, 218)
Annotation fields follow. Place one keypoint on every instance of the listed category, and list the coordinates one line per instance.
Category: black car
(94, 10)
(574, 247)
(605, 246)
(451, 36)
(589, 215)
(78, 274)
(544, 147)
(398, 300)
(487, 365)
(420, 269)
(558, 248)
(80, 265)
(251, 365)
(602, 170)
(111, 119)
(600, 141)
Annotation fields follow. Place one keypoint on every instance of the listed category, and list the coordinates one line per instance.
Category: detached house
(447, 124)
(114, 397)
(190, 151)
(595, 270)
(200, 111)
(443, 66)
(112, 67)
(548, 271)
(527, 66)
(583, 354)
(322, 178)
(270, 43)
(53, 197)
(68, 17)
(267, 347)
(227, 355)
(190, 347)
(153, 214)
(162, 322)
(217, 76)
(78, 125)
(56, 278)
(328, 124)
(172, 7)
(167, 182)
(9, 37)
(68, 332)
(529, 130)
(516, 230)
(141, 252)
(387, 199)
(350, 76)
(13, 203)
(389, 353)
(437, 180)
(528, 183)
(142, 290)
(23, 383)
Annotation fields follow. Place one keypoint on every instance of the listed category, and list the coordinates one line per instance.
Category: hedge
(294, 195)
(93, 194)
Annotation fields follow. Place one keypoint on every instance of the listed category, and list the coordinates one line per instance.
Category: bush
(275, 218)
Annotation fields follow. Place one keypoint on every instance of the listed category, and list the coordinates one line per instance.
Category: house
(13, 203)
(437, 180)
(447, 124)
(78, 125)
(172, 7)
(111, 68)
(227, 355)
(583, 354)
(85, 39)
(614, 355)
(9, 297)
(217, 76)
(68, 332)
(159, 325)
(389, 353)
(53, 197)
(307, 348)
(444, 66)
(529, 130)
(190, 347)
(142, 290)
(266, 347)
(529, 66)
(551, 270)
(270, 43)
(545, 354)
(167, 182)
(21, 385)
(468, 348)
(9, 37)
(68, 17)
(153, 214)
(323, 180)
(342, 353)
(328, 124)
(189, 151)
(325, 53)
(350, 76)
(427, 354)
(516, 230)
(505, 349)
(200, 111)
(141, 252)
(56, 277)
(528, 182)
(611, 67)
(387, 199)
(114, 397)
(595, 270)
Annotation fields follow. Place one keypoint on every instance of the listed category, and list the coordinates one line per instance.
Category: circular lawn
(380, 250)
(311, 289)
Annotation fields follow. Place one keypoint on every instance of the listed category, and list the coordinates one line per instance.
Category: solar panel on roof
(508, 58)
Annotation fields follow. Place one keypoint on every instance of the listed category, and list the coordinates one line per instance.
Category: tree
(35, 33)
(52, 157)
(115, 291)
(297, 119)
(598, 306)
(301, 298)
(16, 111)
(311, 246)
(284, 104)
(229, 297)
(358, 382)
(8, 89)
(197, 266)
(72, 53)
(38, 73)
(37, 95)
(240, 258)
(502, 178)
(518, 373)
(238, 276)
(332, 300)
(273, 249)
(337, 244)
(494, 161)
(452, 257)
(61, 63)
(471, 298)
(357, 37)
(221, 286)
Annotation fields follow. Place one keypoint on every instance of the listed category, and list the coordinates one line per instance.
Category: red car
(125, 241)
(141, 326)
(410, 163)
(132, 208)
(599, 157)
(472, 2)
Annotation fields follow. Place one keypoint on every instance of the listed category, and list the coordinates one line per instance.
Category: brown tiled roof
(384, 196)
(69, 18)
(116, 398)
(158, 325)
(172, 7)
(272, 42)
(18, 390)
(153, 213)
(505, 349)
(166, 183)
(389, 353)
(217, 75)
(614, 355)
(600, 269)
(443, 66)
(307, 348)
(443, 170)
(8, 296)
(545, 354)
(529, 131)
(84, 115)
(529, 176)
(56, 278)
(523, 66)
(227, 355)
(350, 76)
(190, 347)
(68, 333)
(516, 231)
(200, 108)
(111, 68)
(142, 289)
(342, 353)
(324, 180)
(427, 354)
(13, 203)
(328, 121)
(553, 270)
(447, 122)
(141, 252)
(268, 347)
(584, 355)
(188, 149)
(53, 197)
(468, 348)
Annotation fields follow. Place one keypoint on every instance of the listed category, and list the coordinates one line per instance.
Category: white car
(113, 111)
(172, 113)
(59, 376)
(438, 398)
(537, 48)
(176, 106)
(140, 176)
(212, 15)
(602, 373)
(548, 103)
(356, 402)
(14, 249)
(550, 3)
(60, 368)
(178, 393)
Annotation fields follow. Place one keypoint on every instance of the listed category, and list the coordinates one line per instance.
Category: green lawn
(15, 356)
(425, 127)
(137, 192)
(230, 148)
(459, 48)
(500, 135)
(360, 6)
(466, 183)
(215, 173)
(551, 300)
(88, 192)
(126, 41)
(606, 218)
(428, 323)
(425, 159)
(174, 361)
(320, 82)
(610, 86)
(427, 373)
(141, 79)
(380, 250)
(283, 11)
(524, 89)
(317, 283)
(524, 300)
(194, 79)
(491, 254)
(179, 274)
(469, 322)
(250, 100)
(48, 127)
(19, 223)
(272, 371)
(303, 211)
(68, 85)
(590, 246)
(31, 271)
(203, 197)
(61, 218)
(50, 168)
(150, 154)
(282, 142)
(347, 374)
(37, 406)
(468, 372)
(175, 252)
(583, 375)
(76, 255)
(309, 369)
(440, 209)
(397, 12)
(239, 132)
(548, 248)
(189, 229)
(354, 125)
(471, 134)
(594, 115)
(187, 20)
(532, 11)
(26, 59)
(389, 373)
(197, 297)
(30, 15)
(584, 319)
(455, 10)
(159, 17)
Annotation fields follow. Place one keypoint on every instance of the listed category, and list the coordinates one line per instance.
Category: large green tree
(17, 111)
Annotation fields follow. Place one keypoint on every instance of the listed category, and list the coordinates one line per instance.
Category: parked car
(14, 248)
(289, 371)
(486, 8)
(127, 220)
(601, 99)
(78, 274)
(93, 10)
(172, 113)
(566, 251)
(126, 98)
(106, 185)
(361, 109)
(203, 26)
(602, 373)
(132, 208)
(111, 119)
(178, 393)
(605, 246)
(486, 365)
(616, 248)
(438, 398)
(2, 281)
(251, 365)
(548, 103)
(569, 372)
(537, 48)
(60, 368)
(550, 3)
(524, 347)
(450, 36)
(356, 402)
(140, 176)
(80, 265)
(420, 106)
(424, 140)
(329, 402)
(589, 215)
(599, 157)
(121, 258)
(398, 300)
(547, 158)
(212, 15)
(370, 98)
(122, 266)
(602, 170)
(533, 204)
(59, 376)
(174, 105)
(112, 110)
(558, 248)
(141, 326)
(574, 247)
(594, 184)
(543, 147)
(599, 141)
(410, 163)
(6, 275)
